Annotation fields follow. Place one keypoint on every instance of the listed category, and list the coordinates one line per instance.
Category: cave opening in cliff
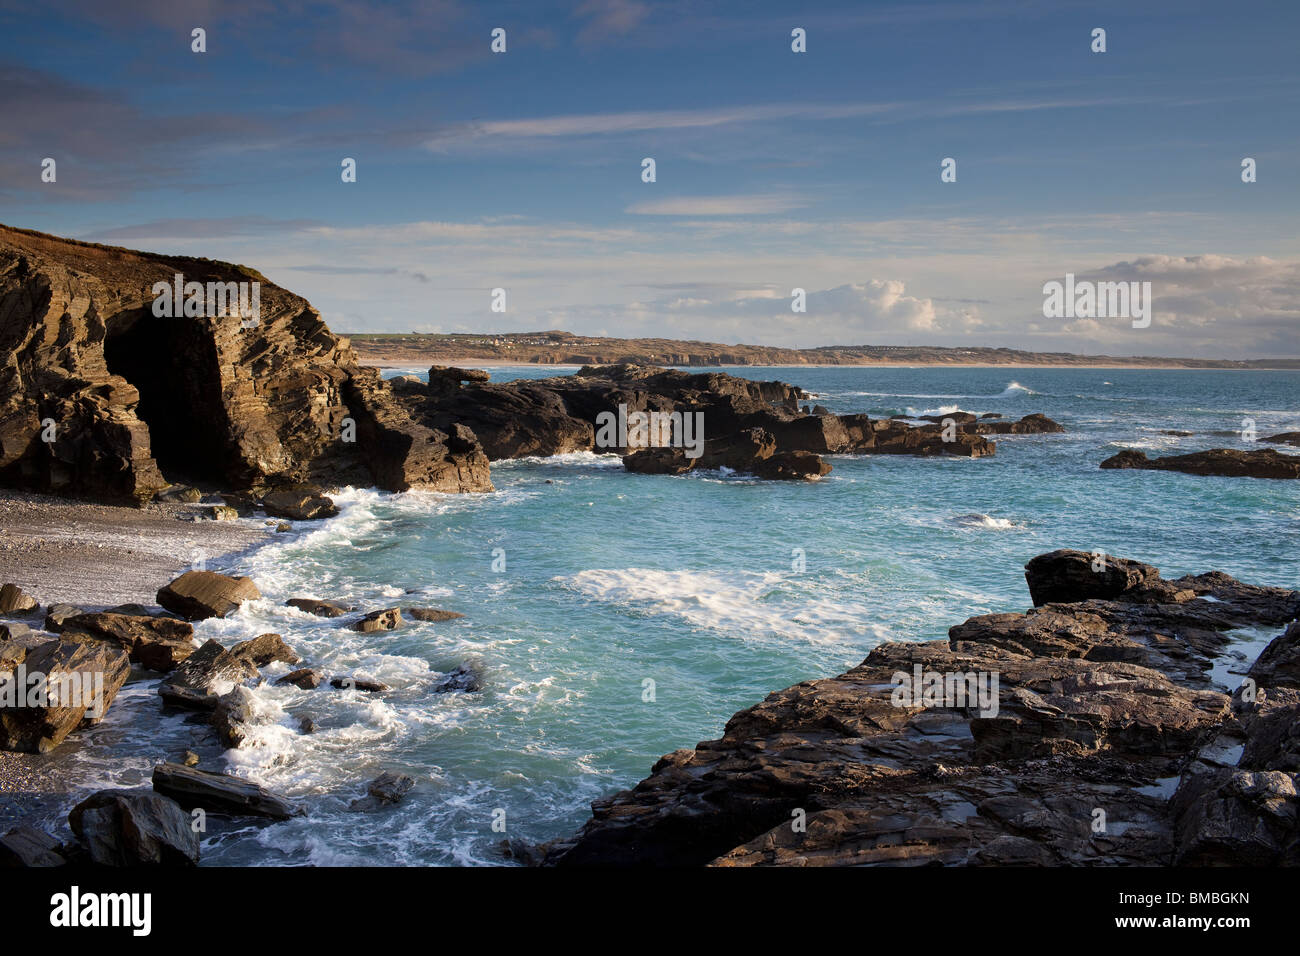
(173, 364)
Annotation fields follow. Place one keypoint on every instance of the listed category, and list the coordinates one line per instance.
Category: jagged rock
(134, 828)
(220, 793)
(13, 630)
(386, 620)
(465, 677)
(319, 608)
(209, 673)
(431, 614)
(1096, 700)
(81, 681)
(1286, 438)
(358, 683)
(13, 600)
(1279, 663)
(751, 451)
(1227, 462)
(386, 790)
(1036, 424)
(197, 595)
(190, 759)
(300, 504)
(57, 614)
(248, 401)
(28, 846)
(264, 649)
(305, 678)
(1064, 576)
(158, 643)
(282, 527)
(232, 716)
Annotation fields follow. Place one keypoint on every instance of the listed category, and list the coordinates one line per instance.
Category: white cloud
(716, 205)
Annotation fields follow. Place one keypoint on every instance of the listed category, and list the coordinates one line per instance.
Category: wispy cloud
(757, 205)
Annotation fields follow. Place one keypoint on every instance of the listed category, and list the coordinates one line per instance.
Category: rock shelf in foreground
(1108, 745)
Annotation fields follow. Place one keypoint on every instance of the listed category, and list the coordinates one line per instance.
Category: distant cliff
(565, 348)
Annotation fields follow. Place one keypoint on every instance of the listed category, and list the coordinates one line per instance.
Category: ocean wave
(981, 520)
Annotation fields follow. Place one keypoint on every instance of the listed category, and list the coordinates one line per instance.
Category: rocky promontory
(102, 398)
(1224, 462)
(1095, 728)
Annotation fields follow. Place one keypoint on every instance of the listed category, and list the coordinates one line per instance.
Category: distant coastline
(558, 349)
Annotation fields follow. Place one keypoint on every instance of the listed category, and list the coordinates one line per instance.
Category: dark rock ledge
(1110, 745)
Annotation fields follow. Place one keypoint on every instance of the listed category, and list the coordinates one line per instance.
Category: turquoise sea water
(611, 580)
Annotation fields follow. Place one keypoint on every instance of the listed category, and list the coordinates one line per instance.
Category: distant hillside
(565, 348)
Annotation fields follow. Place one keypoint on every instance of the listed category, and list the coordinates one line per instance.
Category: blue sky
(775, 170)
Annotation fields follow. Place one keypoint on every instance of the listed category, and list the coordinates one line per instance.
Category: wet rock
(232, 716)
(220, 793)
(190, 759)
(303, 504)
(430, 614)
(1226, 462)
(1036, 424)
(264, 649)
(386, 790)
(80, 682)
(209, 673)
(134, 828)
(307, 726)
(197, 595)
(386, 620)
(358, 683)
(319, 608)
(14, 600)
(283, 527)
(305, 678)
(1279, 663)
(157, 643)
(465, 677)
(1285, 438)
(29, 847)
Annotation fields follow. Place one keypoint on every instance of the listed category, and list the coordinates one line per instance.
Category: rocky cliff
(100, 397)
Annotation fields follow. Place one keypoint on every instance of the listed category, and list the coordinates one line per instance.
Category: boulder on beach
(389, 619)
(1223, 462)
(134, 828)
(80, 681)
(319, 608)
(56, 614)
(299, 504)
(14, 600)
(210, 672)
(197, 595)
(157, 643)
(220, 793)
(13, 630)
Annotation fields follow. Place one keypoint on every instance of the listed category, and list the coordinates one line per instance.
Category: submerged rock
(358, 683)
(1226, 462)
(319, 608)
(389, 619)
(198, 595)
(305, 678)
(386, 790)
(430, 614)
(465, 677)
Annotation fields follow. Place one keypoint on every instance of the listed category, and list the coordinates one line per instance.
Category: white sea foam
(980, 520)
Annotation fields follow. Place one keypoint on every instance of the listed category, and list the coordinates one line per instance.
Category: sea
(617, 617)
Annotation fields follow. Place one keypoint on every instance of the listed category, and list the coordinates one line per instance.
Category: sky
(774, 170)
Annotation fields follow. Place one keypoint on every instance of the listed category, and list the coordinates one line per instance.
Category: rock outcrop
(134, 828)
(49, 688)
(1087, 732)
(100, 397)
(1226, 462)
(198, 595)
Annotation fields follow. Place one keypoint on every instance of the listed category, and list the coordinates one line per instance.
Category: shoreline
(464, 362)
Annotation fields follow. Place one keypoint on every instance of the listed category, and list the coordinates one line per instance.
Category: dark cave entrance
(173, 364)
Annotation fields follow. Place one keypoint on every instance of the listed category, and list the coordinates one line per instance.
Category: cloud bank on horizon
(774, 170)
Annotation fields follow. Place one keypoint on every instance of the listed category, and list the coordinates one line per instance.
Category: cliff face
(101, 398)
